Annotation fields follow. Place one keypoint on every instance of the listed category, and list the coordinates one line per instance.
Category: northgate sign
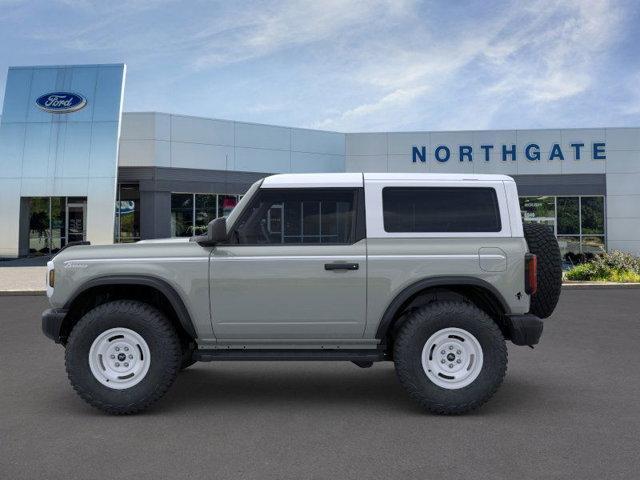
(531, 152)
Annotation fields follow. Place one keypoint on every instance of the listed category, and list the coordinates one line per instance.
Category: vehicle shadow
(244, 385)
(312, 386)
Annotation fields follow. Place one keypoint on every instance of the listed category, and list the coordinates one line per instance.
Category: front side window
(311, 216)
(440, 209)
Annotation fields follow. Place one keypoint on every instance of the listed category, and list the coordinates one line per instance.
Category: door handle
(341, 266)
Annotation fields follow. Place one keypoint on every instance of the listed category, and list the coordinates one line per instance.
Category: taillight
(530, 273)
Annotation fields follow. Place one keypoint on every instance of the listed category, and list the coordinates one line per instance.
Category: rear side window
(440, 209)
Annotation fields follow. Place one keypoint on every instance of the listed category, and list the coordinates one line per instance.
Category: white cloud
(398, 98)
(286, 24)
(533, 54)
(349, 64)
(550, 58)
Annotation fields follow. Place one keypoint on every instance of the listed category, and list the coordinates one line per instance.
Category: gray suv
(433, 272)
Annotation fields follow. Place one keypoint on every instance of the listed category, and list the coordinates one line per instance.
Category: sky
(350, 65)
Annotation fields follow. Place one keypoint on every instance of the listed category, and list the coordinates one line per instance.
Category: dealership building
(74, 166)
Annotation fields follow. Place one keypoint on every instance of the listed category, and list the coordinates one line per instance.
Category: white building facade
(175, 173)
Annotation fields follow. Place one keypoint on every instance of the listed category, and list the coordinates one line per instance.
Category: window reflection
(579, 221)
(192, 212)
(568, 216)
(127, 228)
(54, 222)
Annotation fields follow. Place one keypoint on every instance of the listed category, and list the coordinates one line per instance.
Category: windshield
(233, 216)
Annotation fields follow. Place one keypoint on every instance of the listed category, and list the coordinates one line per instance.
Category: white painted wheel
(119, 358)
(452, 358)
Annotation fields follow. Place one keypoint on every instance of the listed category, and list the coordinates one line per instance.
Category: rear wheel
(451, 357)
(543, 243)
(122, 356)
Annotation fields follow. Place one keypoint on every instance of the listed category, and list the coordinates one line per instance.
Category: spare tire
(544, 245)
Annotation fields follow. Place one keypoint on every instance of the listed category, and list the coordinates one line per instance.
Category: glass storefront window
(569, 245)
(54, 222)
(192, 212)
(568, 216)
(39, 226)
(128, 214)
(226, 203)
(579, 222)
(539, 209)
(58, 219)
(592, 213)
(181, 214)
(593, 244)
(205, 212)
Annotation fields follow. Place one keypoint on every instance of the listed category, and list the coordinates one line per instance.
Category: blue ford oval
(61, 102)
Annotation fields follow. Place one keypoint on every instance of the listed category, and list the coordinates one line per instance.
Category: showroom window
(127, 227)
(298, 217)
(192, 212)
(54, 222)
(578, 222)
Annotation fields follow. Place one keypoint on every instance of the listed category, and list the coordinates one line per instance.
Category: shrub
(614, 266)
(624, 276)
(617, 260)
(584, 271)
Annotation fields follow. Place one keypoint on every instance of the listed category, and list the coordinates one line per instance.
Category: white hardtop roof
(291, 180)
(437, 177)
(302, 180)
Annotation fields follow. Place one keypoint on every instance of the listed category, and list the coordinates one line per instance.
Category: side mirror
(217, 230)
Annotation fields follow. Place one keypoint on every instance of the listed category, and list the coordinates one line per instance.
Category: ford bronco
(434, 272)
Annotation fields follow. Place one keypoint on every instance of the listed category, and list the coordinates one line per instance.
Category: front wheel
(122, 356)
(451, 357)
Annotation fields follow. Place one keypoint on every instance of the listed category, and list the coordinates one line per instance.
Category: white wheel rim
(461, 362)
(119, 358)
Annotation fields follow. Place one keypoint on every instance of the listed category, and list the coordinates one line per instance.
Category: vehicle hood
(143, 249)
(166, 240)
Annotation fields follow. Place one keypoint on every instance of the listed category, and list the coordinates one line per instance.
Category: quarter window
(440, 209)
(310, 216)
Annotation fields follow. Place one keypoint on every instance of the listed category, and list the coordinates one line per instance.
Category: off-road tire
(154, 328)
(543, 243)
(412, 335)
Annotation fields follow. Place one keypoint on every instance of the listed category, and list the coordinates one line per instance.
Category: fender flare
(162, 286)
(431, 282)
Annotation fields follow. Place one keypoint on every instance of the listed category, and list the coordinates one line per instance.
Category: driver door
(294, 267)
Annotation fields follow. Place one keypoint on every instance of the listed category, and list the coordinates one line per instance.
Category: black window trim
(358, 226)
(437, 232)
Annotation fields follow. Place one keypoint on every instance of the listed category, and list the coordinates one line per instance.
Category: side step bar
(292, 355)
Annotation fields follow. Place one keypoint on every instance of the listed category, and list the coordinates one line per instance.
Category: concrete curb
(597, 285)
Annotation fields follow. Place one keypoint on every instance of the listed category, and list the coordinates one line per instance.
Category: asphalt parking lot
(568, 409)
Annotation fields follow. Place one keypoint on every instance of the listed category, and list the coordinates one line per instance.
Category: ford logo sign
(61, 102)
